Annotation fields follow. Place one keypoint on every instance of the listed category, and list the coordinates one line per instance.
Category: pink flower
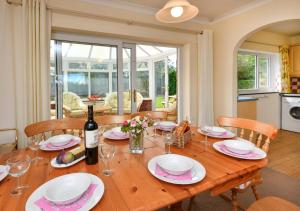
(125, 123)
(133, 123)
(144, 125)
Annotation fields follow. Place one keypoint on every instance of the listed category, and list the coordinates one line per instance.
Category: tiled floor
(284, 154)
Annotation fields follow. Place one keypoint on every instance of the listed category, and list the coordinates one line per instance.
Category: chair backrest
(53, 125)
(111, 119)
(6, 135)
(155, 115)
(72, 101)
(254, 127)
(112, 100)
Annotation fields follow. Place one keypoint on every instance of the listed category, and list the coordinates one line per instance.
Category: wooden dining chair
(11, 146)
(274, 204)
(154, 115)
(56, 126)
(258, 133)
(112, 119)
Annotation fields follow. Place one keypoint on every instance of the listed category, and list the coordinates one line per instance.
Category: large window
(253, 70)
(90, 69)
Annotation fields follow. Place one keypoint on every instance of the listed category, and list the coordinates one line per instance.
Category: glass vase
(136, 142)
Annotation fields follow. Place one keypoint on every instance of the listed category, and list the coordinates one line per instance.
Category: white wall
(229, 34)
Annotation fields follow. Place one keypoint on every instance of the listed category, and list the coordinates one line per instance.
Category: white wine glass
(205, 142)
(101, 130)
(19, 165)
(156, 128)
(106, 153)
(34, 144)
(169, 139)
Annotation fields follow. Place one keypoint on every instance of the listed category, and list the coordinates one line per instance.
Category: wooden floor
(284, 154)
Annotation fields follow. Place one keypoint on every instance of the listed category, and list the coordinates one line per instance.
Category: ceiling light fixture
(176, 11)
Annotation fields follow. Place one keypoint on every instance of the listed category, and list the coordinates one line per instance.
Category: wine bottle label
(91, 138)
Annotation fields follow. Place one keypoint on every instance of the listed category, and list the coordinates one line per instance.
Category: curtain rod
(64, 11)
(14, 2)
(119, 20)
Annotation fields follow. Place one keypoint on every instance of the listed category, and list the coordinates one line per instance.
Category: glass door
(131, 98)
(115, 77)
(84, 74)
(161, 83)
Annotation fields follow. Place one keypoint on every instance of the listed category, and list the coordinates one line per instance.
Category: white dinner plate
(113, 136)
(56, 165)
(198, 172)
(43, 145)
(256, 154)
(4, 170)
(228, 134)
(166, 124)
(39, 192)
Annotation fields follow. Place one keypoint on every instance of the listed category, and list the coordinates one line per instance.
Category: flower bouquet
(136, 127)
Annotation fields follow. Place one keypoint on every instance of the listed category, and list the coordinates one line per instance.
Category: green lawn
(158, 101)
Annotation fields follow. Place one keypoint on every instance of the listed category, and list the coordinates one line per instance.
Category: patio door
(115, 76)
(130, 94)
(102, 74)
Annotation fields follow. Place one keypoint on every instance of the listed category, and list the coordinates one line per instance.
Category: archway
(228, 36)
(265, 38)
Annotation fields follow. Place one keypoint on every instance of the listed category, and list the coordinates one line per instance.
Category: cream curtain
(285, 69)
(24, 59)
(205, 78)
(10, 21)
(37, 41)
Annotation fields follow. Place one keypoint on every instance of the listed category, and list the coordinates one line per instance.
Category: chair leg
(253, 187)
(234, 204)
(191, 203)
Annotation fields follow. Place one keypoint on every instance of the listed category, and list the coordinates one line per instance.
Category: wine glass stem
(169, 149)
(206, 143)
(106, 165)
(18, 182)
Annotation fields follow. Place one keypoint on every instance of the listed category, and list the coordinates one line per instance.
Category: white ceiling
(209, 10)
(289, 28)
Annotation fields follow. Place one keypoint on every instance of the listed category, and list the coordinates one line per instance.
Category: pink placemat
(219, 135)
(71, 143)
(249, 155)
(160, 172)
(46, 205)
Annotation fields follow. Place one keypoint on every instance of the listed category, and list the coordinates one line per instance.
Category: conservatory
(89, 74)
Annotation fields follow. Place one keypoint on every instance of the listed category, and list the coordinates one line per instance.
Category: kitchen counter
(289, 95)
(246, 98)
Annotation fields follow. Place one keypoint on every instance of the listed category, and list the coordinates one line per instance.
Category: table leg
(177, 206)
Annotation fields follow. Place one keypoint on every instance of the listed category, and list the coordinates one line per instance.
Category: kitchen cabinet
(267, 109)
(295, 60)
(247, 109)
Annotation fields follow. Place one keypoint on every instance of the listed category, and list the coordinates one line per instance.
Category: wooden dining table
(131, 186)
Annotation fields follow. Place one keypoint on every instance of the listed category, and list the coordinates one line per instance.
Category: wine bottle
(91, 138)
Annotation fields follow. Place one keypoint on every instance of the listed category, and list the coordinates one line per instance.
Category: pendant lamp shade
(176, 11)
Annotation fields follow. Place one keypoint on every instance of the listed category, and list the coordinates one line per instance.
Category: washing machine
(290, 113)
